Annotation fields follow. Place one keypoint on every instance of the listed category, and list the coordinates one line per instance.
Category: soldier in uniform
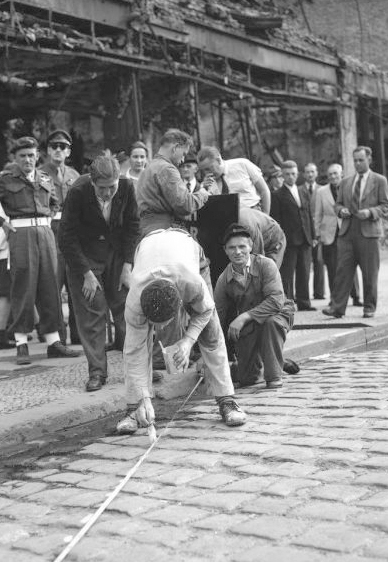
(28, 198)
(58, 150)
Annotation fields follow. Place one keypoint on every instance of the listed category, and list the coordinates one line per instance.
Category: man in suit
(188, 171)
(291, 209)
(310, 185)
(63, 176)
(327, 226)
(98, 235)
(362, 201)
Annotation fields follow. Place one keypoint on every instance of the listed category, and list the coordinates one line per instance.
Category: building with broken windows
(250, 76)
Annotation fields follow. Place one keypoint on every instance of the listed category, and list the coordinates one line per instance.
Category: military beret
(235, 230)
(24, 142)
(59, 135)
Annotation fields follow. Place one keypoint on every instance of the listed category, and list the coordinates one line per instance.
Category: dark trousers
(261, 345)
(354, 249)
(91, 317)
(296, 265)
(319, 272)
(33, 259)
(329, 253)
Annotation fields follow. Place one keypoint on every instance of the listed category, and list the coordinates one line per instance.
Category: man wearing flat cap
(63, 176)
(29, 200)
(252, 286)
(188, 170)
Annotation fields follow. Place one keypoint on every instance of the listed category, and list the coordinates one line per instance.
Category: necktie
(356, 195)
(225, 188)
(310, 189)
(188, 185)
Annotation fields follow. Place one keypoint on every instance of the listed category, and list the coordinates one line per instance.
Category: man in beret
(29, 200)
(63, 176)
(252, 286)
(97, 236)
(167, 282)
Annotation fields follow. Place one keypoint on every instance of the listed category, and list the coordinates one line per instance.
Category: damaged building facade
(249, 76)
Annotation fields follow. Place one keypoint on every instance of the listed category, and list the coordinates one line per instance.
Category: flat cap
(190, 157)
(24, 142)
(59, 135)
(235, 229)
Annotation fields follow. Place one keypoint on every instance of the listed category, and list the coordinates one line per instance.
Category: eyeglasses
(60, 145)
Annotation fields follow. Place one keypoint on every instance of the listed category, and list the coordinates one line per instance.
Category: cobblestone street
(304, 480)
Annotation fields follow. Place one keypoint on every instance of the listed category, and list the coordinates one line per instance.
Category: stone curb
(90, 407)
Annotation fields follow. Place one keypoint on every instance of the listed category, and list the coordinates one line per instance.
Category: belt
(33, 221)
(57, 216)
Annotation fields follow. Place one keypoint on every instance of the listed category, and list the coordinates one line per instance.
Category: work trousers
(261, 345)
(355, 249)
(91, 317)
(318, 272)
(33, 260)
(296, 265)
(329, 252)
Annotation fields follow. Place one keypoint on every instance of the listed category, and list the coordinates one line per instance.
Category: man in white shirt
(361, 203)
(188, 170)
(166, 280)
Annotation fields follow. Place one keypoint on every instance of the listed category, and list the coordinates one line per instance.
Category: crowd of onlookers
(81, 233)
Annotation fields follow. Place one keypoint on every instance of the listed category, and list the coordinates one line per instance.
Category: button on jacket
(62, 185)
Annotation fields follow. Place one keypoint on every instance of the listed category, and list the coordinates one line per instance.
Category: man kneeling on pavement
(166, 280)
(251, 287)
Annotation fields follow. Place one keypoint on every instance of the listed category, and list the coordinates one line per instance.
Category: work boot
(127, 426)
(4, 341)
(22, 355)
(57, 349)
(290, 367)
(94, 383)
(231, 413)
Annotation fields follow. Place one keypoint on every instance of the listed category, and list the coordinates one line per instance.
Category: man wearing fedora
(63, 176)
(29, 200)
(188, 171)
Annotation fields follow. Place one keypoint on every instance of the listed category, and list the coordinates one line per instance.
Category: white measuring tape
(121, 484)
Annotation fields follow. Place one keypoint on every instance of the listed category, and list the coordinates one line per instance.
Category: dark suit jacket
(84, 234)
(374, 198)
(296, 222)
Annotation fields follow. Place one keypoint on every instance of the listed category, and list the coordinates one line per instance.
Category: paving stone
(270, 506)
(286, 486)
(339, 492)
(176, 493)
(373, 479)
(52, 496)
(43, 545)
(226, 501)
(221, 521)
(40, 474)
(201, 460)
(214, 480)
(25, 489)
(85, 499)
(111, 523)
(103, 482)
(325, 511)
(255, 468)
(374, 519)
(271, 527)
(14, 555)
(12, 532)
(337, 536)
(343, 445)
(251, 448)
(66, 477)
(166, 456)
(289, 453)
(375, 462)
(377, 500)
(177, 514)
(253, 484)
(217, 547)
(279, 554)
(179, 476)
(5, 502)
(334, 475)
(134, 505)
(121, 453)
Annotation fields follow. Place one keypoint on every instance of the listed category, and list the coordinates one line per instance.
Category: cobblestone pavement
(304, 480)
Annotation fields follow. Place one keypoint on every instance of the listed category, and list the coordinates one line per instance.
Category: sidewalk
(49, 394)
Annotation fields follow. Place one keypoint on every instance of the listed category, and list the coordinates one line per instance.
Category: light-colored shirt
(106, 207)
(242, 278)
(295, 193)
(191, 184)
(363, 183)
(241, 175)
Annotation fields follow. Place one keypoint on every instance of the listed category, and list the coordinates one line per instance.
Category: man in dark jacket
(98, 234)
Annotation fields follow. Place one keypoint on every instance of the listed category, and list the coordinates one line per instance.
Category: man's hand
(145, 414)
(125, 277)
(237, 325)
(345, 213)
(209, 183)
(7, 227)
(363, 214)
(90, 286)
(181, 356)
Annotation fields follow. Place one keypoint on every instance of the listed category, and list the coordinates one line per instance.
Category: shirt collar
(246, 267)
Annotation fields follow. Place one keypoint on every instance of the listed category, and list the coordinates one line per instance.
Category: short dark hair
(366, 149)
(235, 229)
(105, 167)
(175, 136)
(135, 145)
(208, 152)
(160, 300)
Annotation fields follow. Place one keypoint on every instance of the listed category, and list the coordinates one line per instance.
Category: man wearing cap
(29, 200)
(251, 284)
(97, 236)
(162, 196)
(167, 282)
(275, 178)
(63, 176)
(188, 170)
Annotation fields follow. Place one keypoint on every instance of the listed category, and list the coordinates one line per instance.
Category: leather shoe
(57, 349)
(306, 308)
(277, 383)
(94, 383)
(290, 367)
(368, 315)
(357, 302)
(22, 355)
(331, 312)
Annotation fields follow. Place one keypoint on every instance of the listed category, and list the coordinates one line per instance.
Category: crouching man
(165, 282)
(251, 287)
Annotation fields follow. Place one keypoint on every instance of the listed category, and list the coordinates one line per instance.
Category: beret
(24, 142)
(59, 135)
(235, 230)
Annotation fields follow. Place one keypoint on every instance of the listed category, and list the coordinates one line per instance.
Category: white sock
(52, 338)
(21, 338)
